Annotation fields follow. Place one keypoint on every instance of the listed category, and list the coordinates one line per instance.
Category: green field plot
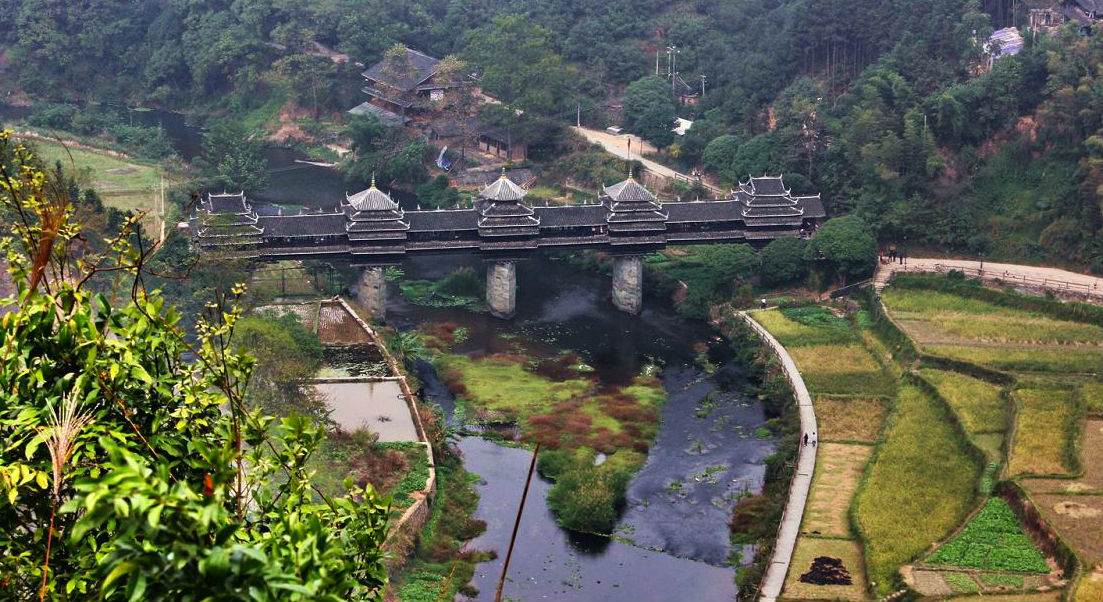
(1043, 431)
(993, 540)
(1091, 396)
(810, 548)
(932, 317)
(979, 404)
(124, 184)
(920, 485)
(805, 326)
(839, 469)
(907, 301)
(841, 370)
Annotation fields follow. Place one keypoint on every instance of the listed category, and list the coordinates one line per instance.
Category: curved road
(787, 533)
(617, 144)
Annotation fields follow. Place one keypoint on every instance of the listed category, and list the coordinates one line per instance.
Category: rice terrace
(963, 460)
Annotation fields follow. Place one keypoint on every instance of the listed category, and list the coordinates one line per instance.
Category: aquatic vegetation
(461, 288)
(557, 402)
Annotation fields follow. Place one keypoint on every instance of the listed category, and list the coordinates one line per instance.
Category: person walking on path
(806, 439)
(814, 439)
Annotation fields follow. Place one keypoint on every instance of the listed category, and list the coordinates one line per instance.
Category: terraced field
(1034, 426)
(994, 336)
(909, 450)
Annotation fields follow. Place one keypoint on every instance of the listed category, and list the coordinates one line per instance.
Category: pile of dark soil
(827, 571)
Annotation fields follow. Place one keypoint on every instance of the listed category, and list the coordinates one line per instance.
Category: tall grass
(841, 370)
(980, 405)
(1044, 432)
(1039, 359)
(920, 485)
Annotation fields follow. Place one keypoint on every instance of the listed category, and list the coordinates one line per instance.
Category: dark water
(672, 541)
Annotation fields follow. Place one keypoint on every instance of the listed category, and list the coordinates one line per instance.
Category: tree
(234, 159)
(783, 261)
(845, 247)
(124, 463)
(650, 109)
(720, 151)
(310, 79)
(518, 63)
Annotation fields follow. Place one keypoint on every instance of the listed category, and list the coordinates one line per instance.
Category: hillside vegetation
(881, 106)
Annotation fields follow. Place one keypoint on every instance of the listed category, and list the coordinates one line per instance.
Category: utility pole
(517, 524)
(656, 61)
(702, 86)
(673, 68)
(162, 209)
(578, 117)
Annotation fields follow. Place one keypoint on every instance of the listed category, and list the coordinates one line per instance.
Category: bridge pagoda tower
(228, 220)
(634, 217)
(375, 225)
(505, 224)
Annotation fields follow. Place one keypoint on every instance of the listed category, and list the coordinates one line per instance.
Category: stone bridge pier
(371, 292)
(501, 288)
(628, 283)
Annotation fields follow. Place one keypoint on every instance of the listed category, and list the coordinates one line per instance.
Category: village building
(1081, 12)
(634, 214)
(407, 86)
(687, 94)
(374, 218)
(502, 143)
(228, 219)
(1003, 42)
(769, 209)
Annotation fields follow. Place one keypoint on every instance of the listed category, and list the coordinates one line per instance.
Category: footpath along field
(925, 460)
(1022, 378)
(868, 474)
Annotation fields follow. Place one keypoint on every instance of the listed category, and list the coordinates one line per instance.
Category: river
(672, 542)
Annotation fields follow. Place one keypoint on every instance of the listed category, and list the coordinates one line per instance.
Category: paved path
(1051, 278)
(774, 578)
(617, 144)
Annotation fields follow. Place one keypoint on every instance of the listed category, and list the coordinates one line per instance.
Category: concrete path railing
(789, 528)
(1054, 279)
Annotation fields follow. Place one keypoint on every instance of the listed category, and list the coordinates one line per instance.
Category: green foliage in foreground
(124, 466)
(993, 540)
(919, 486)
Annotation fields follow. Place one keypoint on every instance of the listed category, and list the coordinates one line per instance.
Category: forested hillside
(885, 107)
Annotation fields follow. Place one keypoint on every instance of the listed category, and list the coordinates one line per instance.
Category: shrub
(588, 499)
(783, 261)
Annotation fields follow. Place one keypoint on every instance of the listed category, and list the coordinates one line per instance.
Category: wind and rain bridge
(370, 230)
